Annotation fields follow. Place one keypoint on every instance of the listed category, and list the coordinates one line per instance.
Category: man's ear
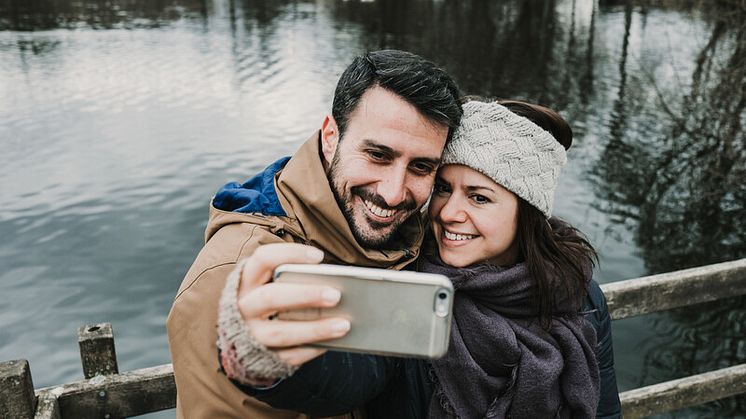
(329, 138)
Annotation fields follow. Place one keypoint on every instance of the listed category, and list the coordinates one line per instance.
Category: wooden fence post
(17, 398)
(47, 406)
(97, 350)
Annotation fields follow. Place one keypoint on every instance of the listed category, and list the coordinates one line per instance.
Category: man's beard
(345, 203)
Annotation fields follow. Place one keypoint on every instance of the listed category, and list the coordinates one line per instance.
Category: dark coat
(596, 312)
(339, 382)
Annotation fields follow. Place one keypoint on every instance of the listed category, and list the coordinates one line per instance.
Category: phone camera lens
(442, 295)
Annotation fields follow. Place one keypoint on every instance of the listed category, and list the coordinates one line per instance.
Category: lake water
(120, 119)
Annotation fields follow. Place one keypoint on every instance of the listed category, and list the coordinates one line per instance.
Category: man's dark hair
(418, 81)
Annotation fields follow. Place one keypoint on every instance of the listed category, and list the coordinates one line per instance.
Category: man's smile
(381, 213)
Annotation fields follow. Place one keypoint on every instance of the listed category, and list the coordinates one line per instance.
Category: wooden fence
(106, 393)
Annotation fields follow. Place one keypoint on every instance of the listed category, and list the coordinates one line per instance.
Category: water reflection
(684, 188)
(35, 15)
(538, 50)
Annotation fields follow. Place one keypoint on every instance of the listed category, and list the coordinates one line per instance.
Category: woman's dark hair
(418, 81)
(557, 255)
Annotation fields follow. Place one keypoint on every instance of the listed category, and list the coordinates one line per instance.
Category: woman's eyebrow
(472, 188)
(439, 179)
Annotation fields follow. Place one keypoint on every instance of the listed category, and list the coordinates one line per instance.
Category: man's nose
(393, 187)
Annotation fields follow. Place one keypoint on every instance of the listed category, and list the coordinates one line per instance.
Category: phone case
(399, 313)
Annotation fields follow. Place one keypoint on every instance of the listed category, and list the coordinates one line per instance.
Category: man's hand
(258, 299)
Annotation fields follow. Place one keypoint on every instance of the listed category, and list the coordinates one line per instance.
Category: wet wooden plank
(16, 390)
(653, 293)
(97, 353)
(127, 394)
(684, 392)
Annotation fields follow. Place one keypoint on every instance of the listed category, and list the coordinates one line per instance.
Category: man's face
(382, 170)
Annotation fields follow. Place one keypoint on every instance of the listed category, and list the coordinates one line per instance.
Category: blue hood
(256, 195)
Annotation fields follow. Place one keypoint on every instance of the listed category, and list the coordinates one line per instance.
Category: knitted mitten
(244, 359)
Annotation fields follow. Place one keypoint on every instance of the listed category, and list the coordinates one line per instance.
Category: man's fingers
(300, 355)
(276, 334)
(258, 268)
(273, 297)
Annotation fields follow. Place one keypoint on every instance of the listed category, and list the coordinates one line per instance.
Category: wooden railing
(106, 393)
(653, 293)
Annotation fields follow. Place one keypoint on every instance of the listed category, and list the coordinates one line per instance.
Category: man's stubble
(344, 201)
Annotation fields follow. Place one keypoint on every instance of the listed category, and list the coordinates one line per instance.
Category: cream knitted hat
(509, 149)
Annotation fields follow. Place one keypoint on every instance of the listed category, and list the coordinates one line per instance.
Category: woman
(520, 346)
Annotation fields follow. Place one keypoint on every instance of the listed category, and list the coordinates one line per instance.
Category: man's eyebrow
(428, 160)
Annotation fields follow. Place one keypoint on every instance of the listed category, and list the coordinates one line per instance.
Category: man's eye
(423, 168)
(376, 155)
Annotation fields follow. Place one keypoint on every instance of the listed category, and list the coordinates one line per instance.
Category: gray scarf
(501, 363)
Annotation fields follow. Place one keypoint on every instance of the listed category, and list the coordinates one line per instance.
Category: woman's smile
(456, 239)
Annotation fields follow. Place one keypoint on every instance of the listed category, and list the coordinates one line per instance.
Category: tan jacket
(314, 218)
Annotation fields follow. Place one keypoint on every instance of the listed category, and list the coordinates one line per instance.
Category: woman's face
(474, 219)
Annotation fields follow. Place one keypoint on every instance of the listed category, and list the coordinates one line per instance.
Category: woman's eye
(440, 188)
(480, 199)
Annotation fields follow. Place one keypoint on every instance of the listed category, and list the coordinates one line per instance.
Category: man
(353, 190)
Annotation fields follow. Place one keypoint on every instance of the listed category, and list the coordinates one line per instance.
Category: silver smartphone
(398, 313)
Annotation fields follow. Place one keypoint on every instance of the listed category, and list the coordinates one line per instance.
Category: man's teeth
(378, 210)
(452, 236)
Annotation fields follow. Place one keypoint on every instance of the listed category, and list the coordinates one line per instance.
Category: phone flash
(441, 302)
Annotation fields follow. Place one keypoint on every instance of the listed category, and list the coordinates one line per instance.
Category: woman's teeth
(452, 236)
(379, 211)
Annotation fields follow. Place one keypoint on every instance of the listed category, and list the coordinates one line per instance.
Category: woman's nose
(453, 211)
